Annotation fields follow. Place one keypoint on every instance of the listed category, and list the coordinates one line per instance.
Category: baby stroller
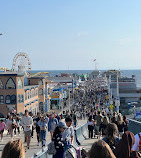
(96, 132)
(76, 152)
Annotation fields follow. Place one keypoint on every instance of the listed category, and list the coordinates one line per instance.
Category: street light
(117, 99)
(69, 100)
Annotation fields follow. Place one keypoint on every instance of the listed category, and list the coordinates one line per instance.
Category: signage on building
(138, 114)
(11, 107)
(111, 107)
(107, 96)
(117, 98)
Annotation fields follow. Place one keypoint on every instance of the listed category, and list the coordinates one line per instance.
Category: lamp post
(117, 99)
(69, 100)
(72, 91)
(47, 108)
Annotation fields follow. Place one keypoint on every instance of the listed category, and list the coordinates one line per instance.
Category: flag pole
(95, 64)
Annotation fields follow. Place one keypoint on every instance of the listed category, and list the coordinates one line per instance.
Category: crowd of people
(98, 122)
(61, 132)
(114, 139)
(110, 128)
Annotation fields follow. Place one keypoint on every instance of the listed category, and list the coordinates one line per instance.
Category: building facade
(14, 96)
(40, 81)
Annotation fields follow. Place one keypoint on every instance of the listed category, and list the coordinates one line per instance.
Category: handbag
(51, 148)
(70, 153)
(14, 125)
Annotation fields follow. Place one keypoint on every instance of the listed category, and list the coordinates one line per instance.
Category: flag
(94, 60)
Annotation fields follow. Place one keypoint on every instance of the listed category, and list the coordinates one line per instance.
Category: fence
(134, 126)
(79, 136)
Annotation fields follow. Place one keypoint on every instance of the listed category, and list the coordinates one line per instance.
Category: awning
(55, 99)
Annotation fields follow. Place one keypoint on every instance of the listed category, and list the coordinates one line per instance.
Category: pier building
(40, 81)
(57, 98)
(128, 90)
(39, 92)
(15, 96)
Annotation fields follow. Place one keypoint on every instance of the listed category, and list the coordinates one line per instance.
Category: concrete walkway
(87, 143)
(33, 146)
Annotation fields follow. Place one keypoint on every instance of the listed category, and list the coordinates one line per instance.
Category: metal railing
(134, 126)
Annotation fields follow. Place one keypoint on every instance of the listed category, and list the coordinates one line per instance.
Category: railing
(81, 133)
(42, 154)
(134, 126)
(79, 136)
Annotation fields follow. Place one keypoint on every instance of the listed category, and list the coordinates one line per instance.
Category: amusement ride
(22, 63)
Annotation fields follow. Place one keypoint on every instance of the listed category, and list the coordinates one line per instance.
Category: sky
(70, 34)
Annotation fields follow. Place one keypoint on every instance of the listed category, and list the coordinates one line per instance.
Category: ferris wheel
(21, 63)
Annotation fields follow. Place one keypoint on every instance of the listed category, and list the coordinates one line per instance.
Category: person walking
(68, 134)
(103, 126)
(11, 124)
(90, 126)
(99, 120)
(2, 126)
(32, 131)
(120, 125)
(137, 145)
(58, 140)
(74, 119)
(52, 124)
(17, 119)
(126, 123)
(27, 123)
(43, 126)
(36, 120)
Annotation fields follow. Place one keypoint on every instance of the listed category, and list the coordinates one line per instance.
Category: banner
(138, 114)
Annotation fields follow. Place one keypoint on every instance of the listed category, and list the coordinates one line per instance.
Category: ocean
(127, 73)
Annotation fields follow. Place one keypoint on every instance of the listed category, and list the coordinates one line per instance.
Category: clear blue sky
(62, 34)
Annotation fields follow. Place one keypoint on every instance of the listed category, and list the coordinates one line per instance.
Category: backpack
(74, 117)
(51, 148)
(70, 153)
(112, 146)
(139, 142)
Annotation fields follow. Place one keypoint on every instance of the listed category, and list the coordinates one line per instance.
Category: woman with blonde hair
(103, 125)
(52, 124)
(120, 125)
(100, 149)
(14, 149)
(10, 124)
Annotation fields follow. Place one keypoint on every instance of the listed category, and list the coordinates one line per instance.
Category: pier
(85, 142)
